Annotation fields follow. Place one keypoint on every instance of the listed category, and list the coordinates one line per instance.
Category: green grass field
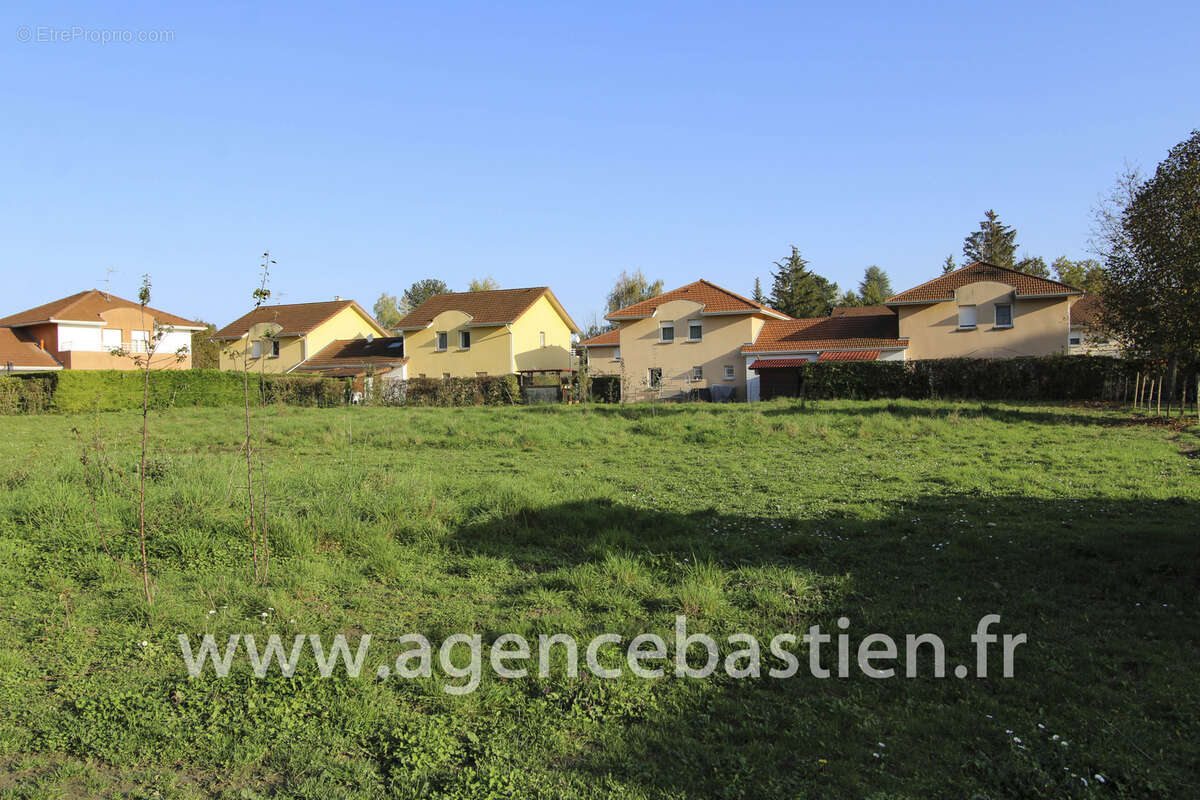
(1077, 526)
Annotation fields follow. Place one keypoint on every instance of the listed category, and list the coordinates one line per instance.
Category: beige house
(687, 340)
(985, 311)
(603, 353)
(281, 338)
(83, 330)
(1088, 338)
(498, 332)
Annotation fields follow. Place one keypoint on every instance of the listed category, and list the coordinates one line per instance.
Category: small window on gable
(966, 317)
(111, 337)
(541, 338)
(666, 333)
(464, 340)
(695, 330)
(697, 373)
(617, 354)
(729, 372)
(256, 350)
(1004, 315)
(442, 340)
(273, 348)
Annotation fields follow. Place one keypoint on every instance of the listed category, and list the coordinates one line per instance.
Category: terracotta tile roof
(22, 352)
(1086, 311)
(879, 330)
(87, 307)
(352, 357)
(859, 311)
(494, 307)
(295, 319)
(942, 289)
(606, 339)
(848, 355)
(778, 363)
(711, 297)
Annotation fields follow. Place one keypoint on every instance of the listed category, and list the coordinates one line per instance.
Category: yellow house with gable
(281, 338)
(498, 332)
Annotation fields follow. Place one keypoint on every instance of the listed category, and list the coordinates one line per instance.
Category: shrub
(606, 388)
(1027, 378)
(492, 390)
(26, 394)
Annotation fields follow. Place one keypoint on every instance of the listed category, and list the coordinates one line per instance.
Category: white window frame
(272, 348)
(139, 341)
(110, 338)
(996, 315)
(730, 372)
(698, 326)
(974, 316)
(662, 332)
(464, 340)
(1075, 340)
(541, 338)
(697, 373)
(442, 342)
(616, 354)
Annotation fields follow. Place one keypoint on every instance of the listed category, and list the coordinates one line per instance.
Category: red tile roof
(712, 298)
(859, 311)
(877, 330)
(943, 288)
(494, 307)
(349, 357)
(778, 363)
(606, 339)
(88, 307)
(295, 319)
(848, 355)
(1086, 311)
(23, 353)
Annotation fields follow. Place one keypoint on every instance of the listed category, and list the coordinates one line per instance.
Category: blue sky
(369, 146)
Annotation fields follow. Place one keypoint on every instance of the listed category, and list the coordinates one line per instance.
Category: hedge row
(491, 390)
(114, 390)
(1041, 378)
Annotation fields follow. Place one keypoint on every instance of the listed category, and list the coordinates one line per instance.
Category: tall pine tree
(759, 296)
(994, 242)
(797, 291)
(875, 287)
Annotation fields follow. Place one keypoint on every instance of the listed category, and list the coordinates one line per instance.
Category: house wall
(601, 361)
(1040, 326)
(90, 346)
(490, 349)
(346, 324)
(528, 352)
(722, 339)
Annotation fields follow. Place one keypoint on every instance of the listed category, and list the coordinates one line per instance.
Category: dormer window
(442, 340)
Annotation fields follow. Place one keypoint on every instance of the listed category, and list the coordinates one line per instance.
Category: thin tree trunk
(251, 528)
(142, 487)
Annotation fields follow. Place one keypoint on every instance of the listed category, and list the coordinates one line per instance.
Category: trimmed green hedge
(72, 391)
(1042, 378)
(493, 390)
(26, 394)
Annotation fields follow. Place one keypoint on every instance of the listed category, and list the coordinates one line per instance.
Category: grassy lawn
(1077, 527)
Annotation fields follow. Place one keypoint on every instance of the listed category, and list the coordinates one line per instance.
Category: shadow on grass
(1104, 589)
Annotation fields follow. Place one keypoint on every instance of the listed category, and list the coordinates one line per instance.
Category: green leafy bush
(1030, 378)
(606, 388)
(26, 394)
(492, 390)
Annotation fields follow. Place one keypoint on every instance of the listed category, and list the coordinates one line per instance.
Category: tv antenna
(108, 273)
